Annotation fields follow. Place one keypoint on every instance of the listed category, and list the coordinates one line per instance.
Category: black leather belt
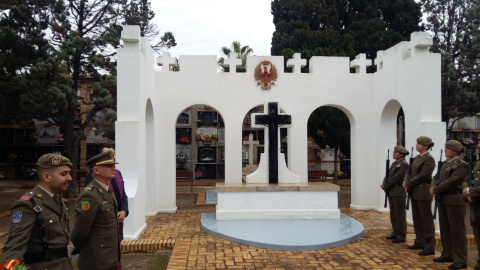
(48, 255)
(453, 191)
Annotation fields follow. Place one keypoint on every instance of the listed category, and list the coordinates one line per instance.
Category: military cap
(424, 140)
(400, 149)
(53, 160)
(104, 158)
(454, 145)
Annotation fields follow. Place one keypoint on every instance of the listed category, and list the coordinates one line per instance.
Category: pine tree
(455, 26)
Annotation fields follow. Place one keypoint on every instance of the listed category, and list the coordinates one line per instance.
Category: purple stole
(119, 181)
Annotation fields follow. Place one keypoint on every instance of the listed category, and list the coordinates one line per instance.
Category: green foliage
(48, 47)
(455, 26)
(239, 51)
(341, 28)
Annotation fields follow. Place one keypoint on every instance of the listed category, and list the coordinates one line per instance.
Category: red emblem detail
(265, 78)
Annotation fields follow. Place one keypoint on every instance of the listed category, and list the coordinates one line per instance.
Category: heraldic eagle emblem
(265, 78)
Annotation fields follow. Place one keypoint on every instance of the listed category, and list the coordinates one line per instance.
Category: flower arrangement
(468, 141)
(60, 137)
(184, 139)
(198, 136)
(32, 171)
(247, 122)
(207, 138)
(15, 266)
(215, 136)
(181, 157)
(33, 136)
(198, 174)
(339, 172)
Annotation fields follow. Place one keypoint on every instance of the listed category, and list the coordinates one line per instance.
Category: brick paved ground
(196, 249)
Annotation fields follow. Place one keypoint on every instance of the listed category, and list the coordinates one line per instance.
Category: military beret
(400, 149)
(424, 140)
(104, 158)
(53, 160)
(454, 145)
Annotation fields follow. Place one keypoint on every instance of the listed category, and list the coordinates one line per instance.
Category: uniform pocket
(100, 242)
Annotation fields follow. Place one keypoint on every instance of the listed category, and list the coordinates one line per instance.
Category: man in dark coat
(95, 233)
(451, 207)
(418, 186)
(396, 195)
(39, 233)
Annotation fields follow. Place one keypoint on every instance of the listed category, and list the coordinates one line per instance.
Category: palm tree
(241, 52)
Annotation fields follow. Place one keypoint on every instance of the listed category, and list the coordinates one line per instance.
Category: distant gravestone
(250, 168)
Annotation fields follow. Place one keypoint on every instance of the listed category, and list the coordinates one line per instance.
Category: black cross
(273, 120)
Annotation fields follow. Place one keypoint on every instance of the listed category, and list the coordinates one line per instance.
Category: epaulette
(88, 188)
(27, 196)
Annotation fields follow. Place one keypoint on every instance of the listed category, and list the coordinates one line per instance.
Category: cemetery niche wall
(151, 99)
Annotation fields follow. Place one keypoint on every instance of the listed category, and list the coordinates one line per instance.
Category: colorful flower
(184, 139)
(60, 137)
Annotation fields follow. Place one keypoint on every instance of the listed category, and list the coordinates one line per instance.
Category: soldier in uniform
(39, 233)
(451, 207)
(418, 186)
(396, 195)
(95, 233)
(472, 194)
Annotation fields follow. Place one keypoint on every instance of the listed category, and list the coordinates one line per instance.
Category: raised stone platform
(238, 201)
(282, 234)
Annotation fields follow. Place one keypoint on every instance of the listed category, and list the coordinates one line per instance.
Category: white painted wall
(408, 76)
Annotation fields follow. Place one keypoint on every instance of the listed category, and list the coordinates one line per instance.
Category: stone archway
(406, 72)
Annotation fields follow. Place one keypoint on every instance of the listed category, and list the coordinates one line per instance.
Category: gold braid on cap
(105, 161)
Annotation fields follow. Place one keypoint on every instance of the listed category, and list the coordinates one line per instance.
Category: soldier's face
(58, 179)
(397, 155)
(106, 172)
(421, 148)
(449, 153)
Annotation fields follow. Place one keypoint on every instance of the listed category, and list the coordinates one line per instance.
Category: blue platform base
(283, 234)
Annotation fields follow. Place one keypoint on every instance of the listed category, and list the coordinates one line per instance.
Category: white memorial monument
(151, 97)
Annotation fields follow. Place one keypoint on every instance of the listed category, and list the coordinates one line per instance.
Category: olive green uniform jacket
(95, 233)
(451, 209)
(396, 198)
(419, 189)
(475, 194)
(396, 174)
(25, 236)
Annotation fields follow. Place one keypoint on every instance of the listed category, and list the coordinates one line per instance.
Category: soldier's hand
(382, 186)
(469, 198)
(432, 192)
(121, 215)
(465, 192)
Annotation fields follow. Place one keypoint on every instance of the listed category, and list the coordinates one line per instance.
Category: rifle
(471, 183)
(437, 182)
(387, 173)
(409, 175)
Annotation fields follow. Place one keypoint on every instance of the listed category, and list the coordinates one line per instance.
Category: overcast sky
(202, 27)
